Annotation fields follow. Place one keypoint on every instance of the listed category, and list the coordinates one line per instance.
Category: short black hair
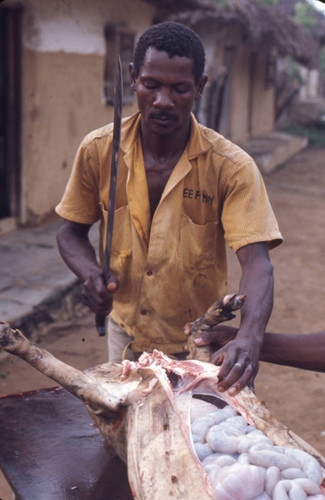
(174, 38)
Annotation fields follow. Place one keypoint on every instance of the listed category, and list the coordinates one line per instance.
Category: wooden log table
(51, 450)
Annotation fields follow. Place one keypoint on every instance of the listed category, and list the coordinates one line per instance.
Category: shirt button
(144, 311)
(149, 273)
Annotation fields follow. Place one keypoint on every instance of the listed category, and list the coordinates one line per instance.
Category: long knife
(118, 97)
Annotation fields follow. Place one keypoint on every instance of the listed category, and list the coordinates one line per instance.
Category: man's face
(165, 90)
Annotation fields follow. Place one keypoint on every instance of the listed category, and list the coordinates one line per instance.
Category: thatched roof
(266, 24)
(287, 7)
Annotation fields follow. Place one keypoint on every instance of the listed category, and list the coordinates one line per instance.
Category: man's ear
(200, 87)
(132, 76)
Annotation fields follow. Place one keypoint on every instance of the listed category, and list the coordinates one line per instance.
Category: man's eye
(180, 90)
(150, 85)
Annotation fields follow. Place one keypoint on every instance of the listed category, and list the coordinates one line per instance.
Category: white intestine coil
(199, 428)
(267, 458)
(244, 464)
(220, 441)
(202, 450)
(272, 477)
(263, 496)
(296, 492)
(307, 463)
(292, 473)
(240, 482)
(309, 486)
(236, 426)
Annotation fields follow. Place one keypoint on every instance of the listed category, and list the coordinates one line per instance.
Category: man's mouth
(162, 117)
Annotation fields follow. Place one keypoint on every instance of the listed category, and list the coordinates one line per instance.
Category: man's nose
(164, 99)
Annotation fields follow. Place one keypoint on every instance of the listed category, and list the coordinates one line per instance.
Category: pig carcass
(175, 444)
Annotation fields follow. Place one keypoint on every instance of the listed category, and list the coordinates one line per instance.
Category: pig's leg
(84, 386)
(217, 313)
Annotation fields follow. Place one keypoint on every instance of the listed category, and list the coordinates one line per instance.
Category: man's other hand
(97, 296)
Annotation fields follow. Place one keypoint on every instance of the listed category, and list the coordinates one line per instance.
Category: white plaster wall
(76, 26)
(310, 88)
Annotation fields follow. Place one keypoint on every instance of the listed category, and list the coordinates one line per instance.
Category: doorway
(222, 123)
(252, 76)
(10, 111)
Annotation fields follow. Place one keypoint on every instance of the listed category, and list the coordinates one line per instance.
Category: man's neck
(161, 147)
(161, 154)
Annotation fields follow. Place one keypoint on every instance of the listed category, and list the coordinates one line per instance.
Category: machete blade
(118, 98)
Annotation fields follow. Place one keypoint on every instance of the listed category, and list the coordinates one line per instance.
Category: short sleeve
(247, 215)
(80, 201)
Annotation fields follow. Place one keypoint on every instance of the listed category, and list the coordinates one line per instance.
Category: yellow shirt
(170, 269)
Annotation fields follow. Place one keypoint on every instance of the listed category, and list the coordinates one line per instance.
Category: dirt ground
(295, 397)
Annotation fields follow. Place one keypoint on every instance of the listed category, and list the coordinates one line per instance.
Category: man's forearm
(257, 310)
(306, 351)
(239, 358)
(257, 284)
(80, 257)
(77, 251)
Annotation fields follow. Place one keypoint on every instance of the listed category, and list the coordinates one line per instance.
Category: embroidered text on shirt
(197, 195)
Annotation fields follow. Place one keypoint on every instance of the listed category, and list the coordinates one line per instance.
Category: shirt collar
(198, 142)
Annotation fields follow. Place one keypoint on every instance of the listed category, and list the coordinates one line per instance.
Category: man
(182, 191)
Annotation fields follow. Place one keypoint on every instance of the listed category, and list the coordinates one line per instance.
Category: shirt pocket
(197, 244)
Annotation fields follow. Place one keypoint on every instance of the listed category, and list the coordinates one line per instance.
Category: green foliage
(304, 15)
(268, 2)
(322, 60)
(293, 70)
(222, 4)
(315, 135)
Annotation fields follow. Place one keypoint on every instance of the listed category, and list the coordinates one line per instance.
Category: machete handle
(100, 324)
